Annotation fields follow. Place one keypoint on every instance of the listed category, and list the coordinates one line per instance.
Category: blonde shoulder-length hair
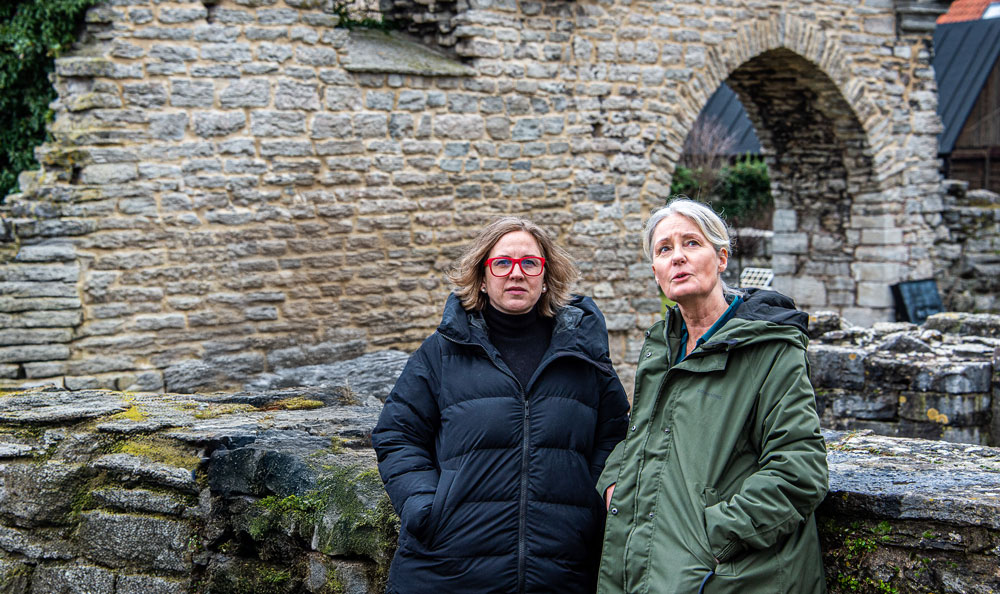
(470, 271)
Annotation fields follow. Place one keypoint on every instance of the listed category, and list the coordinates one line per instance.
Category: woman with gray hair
(492, 439)
(714, 487)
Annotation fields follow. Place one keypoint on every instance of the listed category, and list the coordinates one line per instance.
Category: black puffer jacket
(495, 482)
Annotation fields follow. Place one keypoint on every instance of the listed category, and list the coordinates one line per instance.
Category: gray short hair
(711, 225)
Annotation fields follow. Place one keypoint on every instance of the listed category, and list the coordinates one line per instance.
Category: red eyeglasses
(502, 266)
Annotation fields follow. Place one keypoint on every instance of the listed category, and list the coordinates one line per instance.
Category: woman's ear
(723, 259)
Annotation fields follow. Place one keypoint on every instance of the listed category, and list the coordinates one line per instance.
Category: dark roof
(725, 107)
(964, 55)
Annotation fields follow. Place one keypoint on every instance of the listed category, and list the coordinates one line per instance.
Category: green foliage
(742, 194)
(32, 34)
(350, 21)
(685, 183)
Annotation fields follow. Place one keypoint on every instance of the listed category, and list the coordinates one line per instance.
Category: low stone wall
(276, 491)
(939, 380)
(968, 246)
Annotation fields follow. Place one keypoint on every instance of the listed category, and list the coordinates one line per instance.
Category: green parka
(723, 463)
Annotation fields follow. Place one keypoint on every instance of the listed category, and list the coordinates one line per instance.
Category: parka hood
(771, 306)
(763, 315)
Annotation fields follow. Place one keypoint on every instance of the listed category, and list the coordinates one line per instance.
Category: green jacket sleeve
(792, 478)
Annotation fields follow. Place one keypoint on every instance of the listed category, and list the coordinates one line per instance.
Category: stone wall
(275, 492)
(968, 241)
(940, 380)
(242, 186)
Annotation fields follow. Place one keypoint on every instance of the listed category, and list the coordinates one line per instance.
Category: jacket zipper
(522, 527)
(523, 509)
(635, 507)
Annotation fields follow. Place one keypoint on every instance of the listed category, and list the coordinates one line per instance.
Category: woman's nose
(516, 270)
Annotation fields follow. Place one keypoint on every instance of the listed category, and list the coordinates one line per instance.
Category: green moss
(349, 513)
(296, 403)
(216, 410)
(159, 450)
(288, 512)
(252, 578)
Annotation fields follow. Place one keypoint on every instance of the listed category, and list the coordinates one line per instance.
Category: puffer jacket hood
(579, 330)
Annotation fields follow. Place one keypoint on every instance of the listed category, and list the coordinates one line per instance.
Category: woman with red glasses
(492, 440)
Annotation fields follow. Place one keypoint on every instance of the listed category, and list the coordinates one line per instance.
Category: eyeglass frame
(513, 262)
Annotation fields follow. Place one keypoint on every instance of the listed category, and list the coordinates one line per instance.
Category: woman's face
(516, 293)
(685, 264)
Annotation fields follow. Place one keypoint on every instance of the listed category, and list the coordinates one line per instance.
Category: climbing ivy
(32, 34)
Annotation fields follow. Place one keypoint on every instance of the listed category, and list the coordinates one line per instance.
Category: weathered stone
(121, 540)
(138, 501)
(72, 579)
(37, 496)
(370, 51)
(837, 367)
(133, 468)
(208, 124)
(246, 93)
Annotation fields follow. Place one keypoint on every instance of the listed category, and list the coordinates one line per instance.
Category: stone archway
(839, 221)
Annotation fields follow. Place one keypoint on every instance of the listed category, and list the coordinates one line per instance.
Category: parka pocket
(445, 481)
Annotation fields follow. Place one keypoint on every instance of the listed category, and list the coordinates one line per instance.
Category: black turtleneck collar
(522, 339)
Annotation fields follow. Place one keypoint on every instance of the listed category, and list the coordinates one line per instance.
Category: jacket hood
(579, 328)
(771, 306)
(764, 315)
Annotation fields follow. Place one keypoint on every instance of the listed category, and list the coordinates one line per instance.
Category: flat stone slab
(58, 406)
(375, 51)
(916, 479)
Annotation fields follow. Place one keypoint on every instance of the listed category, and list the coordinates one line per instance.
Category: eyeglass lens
(504, 266)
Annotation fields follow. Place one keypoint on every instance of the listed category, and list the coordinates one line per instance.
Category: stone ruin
(244, 186)
(276, 491)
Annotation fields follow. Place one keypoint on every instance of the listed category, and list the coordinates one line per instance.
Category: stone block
(208, 124)
(122, 540)
(836, 367)
(147, 584)
(192, 93)
(41, 336)
(875, 294)
(88, 382)
(54, 251)
(277, 123)
(246, 93)
(110, 173)
(145, 94)
(25, 353)
(37, 495)
(72, 579)
(297, 96)
(954, 410)
(461, 127)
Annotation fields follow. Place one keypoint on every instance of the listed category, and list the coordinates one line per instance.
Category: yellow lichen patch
(296, 403)
(133, 414)
(902, 399)
(852, 356)
(215, 410)
(159, 450)
(934, 415)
